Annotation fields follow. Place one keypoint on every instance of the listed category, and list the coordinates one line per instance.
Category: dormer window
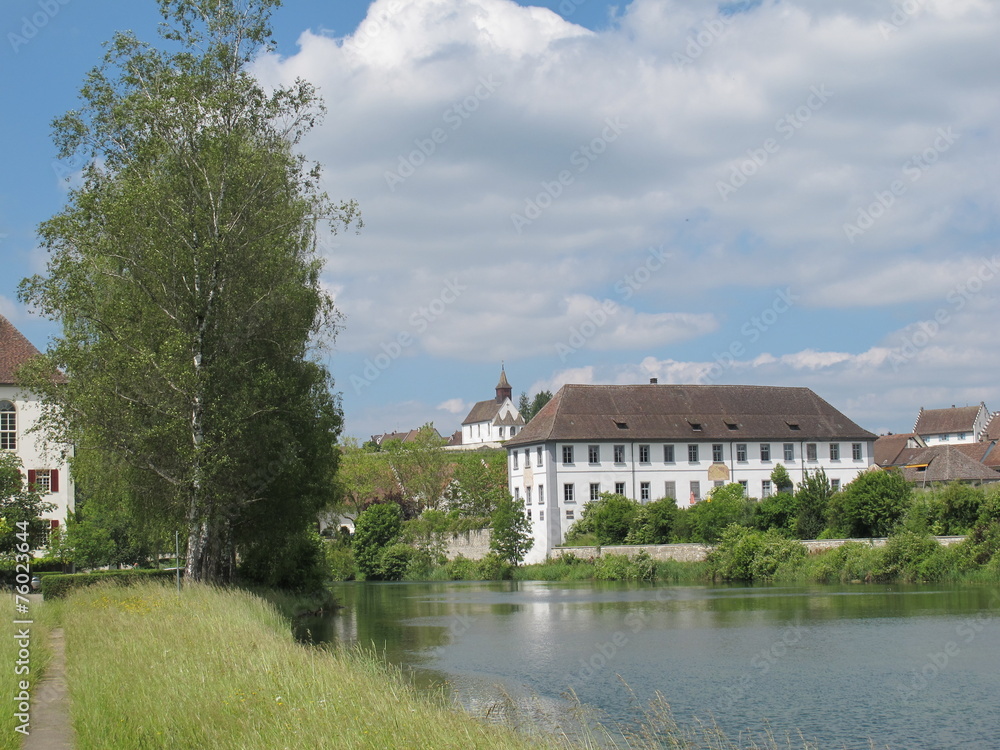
(732, 425)
(696, 426)
(793, 425)
(621, 425)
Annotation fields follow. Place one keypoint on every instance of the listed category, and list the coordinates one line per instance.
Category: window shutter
(31, 479)
(54, 523)
(54, 480)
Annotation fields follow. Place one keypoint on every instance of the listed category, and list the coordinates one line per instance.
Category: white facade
(953, 426)
(504, 425)
(556, 479)
(44, 464)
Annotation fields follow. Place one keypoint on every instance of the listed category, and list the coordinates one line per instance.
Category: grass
(238, 680)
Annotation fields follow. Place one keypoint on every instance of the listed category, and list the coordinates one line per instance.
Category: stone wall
(698, 552)
(471, 544)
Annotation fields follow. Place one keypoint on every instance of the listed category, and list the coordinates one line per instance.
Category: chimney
(653, 381)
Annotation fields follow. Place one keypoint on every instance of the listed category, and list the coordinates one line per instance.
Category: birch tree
(185, 274)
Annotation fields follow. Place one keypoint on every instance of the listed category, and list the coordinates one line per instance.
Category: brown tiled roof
(993, 428)
(943, 421)
(687, 412)
(483, 411)
(946, 463)
(503, 384)
(15, 350)
(888, 447)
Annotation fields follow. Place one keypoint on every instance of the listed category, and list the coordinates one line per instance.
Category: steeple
(503, 387)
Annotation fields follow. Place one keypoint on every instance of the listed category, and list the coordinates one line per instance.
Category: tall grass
(219, 669)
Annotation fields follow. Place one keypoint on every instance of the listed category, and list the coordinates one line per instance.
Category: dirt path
(51, 728)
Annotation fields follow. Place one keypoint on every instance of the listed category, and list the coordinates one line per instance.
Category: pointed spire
(503, 387)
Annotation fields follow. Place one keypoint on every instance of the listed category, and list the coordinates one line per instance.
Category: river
(908, 667)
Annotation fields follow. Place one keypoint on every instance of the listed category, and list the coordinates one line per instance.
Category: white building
(45, 465)
(493, 421)
(653, 441)
(962, 424)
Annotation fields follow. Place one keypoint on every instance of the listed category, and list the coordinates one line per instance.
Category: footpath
(51, 728)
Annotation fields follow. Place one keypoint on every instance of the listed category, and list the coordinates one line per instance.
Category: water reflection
(840, 664)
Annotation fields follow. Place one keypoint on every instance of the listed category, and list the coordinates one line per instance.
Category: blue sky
(787, 193)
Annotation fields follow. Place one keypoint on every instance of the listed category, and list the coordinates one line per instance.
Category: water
(909, 667)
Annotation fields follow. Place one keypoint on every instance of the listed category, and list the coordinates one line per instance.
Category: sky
(794, 192)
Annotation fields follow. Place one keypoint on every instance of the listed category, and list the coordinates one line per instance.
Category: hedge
(59, 586)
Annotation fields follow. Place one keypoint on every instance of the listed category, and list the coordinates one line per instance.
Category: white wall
(554, 474)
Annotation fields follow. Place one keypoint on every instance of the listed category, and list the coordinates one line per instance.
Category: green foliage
(377, 527)
(494, 567)
(529, 409)
(744, 554)
(813, 498)
(724, 506)
(186, 277)
(58, 586)
(873, 504)
(780, 479)
(462, 568)
(340, 562)
(608, 518)
(638, 567)
(962, 504)
(18, 504)
(422, 469)
(363, 476)
(394, 561)
(510, 537)
(479, 482)
(779, 513)
(299, 565)
(653, 523)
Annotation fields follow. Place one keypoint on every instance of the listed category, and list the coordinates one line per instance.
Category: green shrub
(58, 586)
(778, 512)
(493, 567)
(873, 504)
(377, 527)
(724, 506)
(653, 523)
(296, 563)
(903, 555)
(750, 555)
(639, 567)
(340, 562)
(611, 517)
(394, 561)
(462, 569)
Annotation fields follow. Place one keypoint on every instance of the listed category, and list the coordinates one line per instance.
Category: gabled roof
(944, 421)
(15, 350)
(687, 412)
(483, 411)
(946, 463)
(509, 419)
(993, 428)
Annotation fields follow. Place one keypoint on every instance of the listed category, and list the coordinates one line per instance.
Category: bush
(58, 586)
(394, 561)
(813, 501)
(904, 556)
(639, 567)
(724, 506)
(873, 504)
(298, 563)
(340, 562)
(611, 517)
(377, 527)
(462, 569)
(778, 512)
(653, 523)
(493, 567)
(750, 555)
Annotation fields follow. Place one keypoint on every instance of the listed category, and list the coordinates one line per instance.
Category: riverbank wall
(698, 552)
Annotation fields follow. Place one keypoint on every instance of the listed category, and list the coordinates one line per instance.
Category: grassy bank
(220, 669)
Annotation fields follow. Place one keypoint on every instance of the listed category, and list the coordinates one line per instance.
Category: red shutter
(54, 523)
(54, 480)
(31, 479)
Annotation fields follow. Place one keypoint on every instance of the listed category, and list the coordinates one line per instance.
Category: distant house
(45, 464)
(948, 463)
(959, 424)
(652, 441)
(493, 421)
(403, 437)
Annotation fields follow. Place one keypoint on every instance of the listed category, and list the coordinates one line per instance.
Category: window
(693, 453)
(695, 426)
(541, 515)
(717, 453)
(594, 454)
(856, 451)
(567, 454)
(945, 438)
(528, 511)
(513, 431)
(619, 488)
(696, 491)
(621, 425)
(527, 495)
(668, 454)
(513, 455)
(568, 496)
(765, 488)
(538, 456)
(789, 451)
(746, 489)
(644, 454)
(541, 494)
(835, 485)
(644, 491)
(810, 451)
(741, 452)
(732, 426)
(527, 457)
(670, 490)
(595, 491)
(619, 454)
(570, 514)
(8, 426)
(718, 483)
(502, 429)
(45, 481)
(765, 451)
(834, 451)
(517, 493)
